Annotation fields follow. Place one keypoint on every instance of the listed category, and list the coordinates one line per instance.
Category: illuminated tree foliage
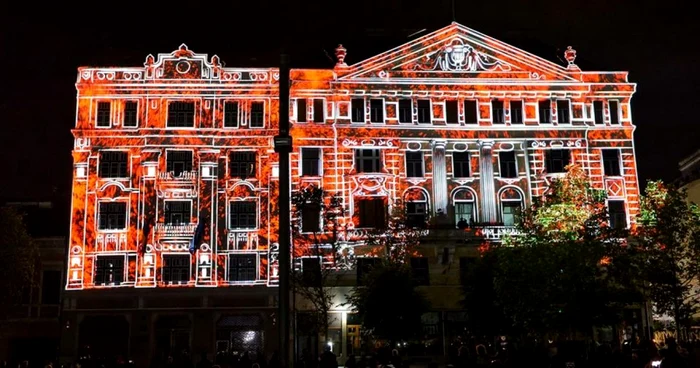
(389, 305)
(568, 270)
(17, 259)
(316, 285)
(669, 233)
(400, 239)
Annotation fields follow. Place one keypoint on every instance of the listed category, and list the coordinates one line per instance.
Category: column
(146, 274)
(439, 177)
(208, 211)
(488, 191)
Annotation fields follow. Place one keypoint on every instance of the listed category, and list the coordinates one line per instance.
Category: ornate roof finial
(570, 56)
(340, 53)
(183, 51)
(149, 61)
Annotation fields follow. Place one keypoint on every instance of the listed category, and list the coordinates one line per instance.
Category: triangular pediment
(456, 52)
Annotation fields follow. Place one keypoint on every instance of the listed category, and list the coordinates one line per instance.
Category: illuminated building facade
(175, 175)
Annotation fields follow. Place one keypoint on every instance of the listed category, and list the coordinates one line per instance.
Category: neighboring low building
(32, 331)
(690, 176)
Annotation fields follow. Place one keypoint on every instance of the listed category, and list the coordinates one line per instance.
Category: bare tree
(316, 233)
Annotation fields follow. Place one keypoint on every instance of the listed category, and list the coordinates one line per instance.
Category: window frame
(360, 159)
(194, 114)
(126, 215)
(319, 163)
(422, 164)
(469, 164)
(263, 114)
(137, 114)
(225, 114)
(381, 111)
(189, 220)
(127, 166)
(500, 165)
(97, 114)
(256, 204)
(169, 150)
(430, 111)
(163, 267)
(619, 161)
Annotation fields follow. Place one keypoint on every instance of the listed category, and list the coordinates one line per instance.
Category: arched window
(416, 201)
(511, 205)
(464, 202)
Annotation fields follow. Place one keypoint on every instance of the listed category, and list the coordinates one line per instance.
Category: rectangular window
(257, 114)
(516, 112)
(471, 112)
(319, 110)
(176, 268)
(511, 213)
(563, 112)
(104, 114)
(243, 215)
(231, 114)
(507, 165)
(180, 114)
(424, 113)
(499, 114)
(301, 110)
(131, 110)
(114, 164)
(598, 112)
(460, 165)
(111, 216)
(420, 270)
(405, 111)
(372, 213)
(242, 164)
(310, 161)
(311, 218)
(311, 271)
(368, 160)
(556, 160)
(545, 110)
(451, 113)
(51, 287)
(614, 112)
(109, 270)
(376, 110)
(464, 211)
(611, 162)
(414, 164)
(242, 267)
(618, 216)
(357, 107)
(416, 214)
(178, 162)
(177, 212)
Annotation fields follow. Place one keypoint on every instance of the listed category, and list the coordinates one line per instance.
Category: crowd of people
(470, 354)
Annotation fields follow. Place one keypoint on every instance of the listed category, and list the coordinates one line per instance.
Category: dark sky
(656, 43)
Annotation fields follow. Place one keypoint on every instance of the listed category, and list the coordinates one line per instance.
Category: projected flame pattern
(431, 123)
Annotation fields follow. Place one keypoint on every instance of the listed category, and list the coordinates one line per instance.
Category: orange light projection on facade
(175, 177)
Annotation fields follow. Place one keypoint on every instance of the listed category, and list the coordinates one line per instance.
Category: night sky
(41, 53)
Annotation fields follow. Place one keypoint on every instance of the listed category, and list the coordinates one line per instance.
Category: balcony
(491, 232)
(471, 234)
(175, 231)
(182, 176)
